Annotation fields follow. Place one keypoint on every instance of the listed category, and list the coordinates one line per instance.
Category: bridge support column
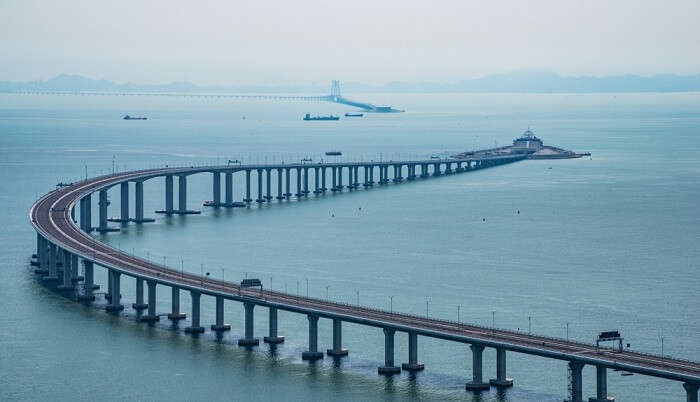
(371, 175)
(298, 193)
(75, 275)
(389, 367)
(139, 204)
(228, 187)
(335, 179)
(436, 169)
(89, 282)
(124, 202)
(53, 260)
(306, 182)
(576, 369)
(247, 198)
(313, 353)
(279, 184)
(67, 272)
(287, 179)
(273, 337)
(260, 198)
(448, 168)
(602, 386)
(175, 313)
(250, 338)
(268, 178)
(168, 195)
(115, 291)
(152, 314)
(501, 380)
(216, 188)
(42, 255)
(195, 328)
(103, 203)
(338, 349)
(340, 186)
(413, 363)
(139, 305)
(182, 194)
(356, 183)
(477, 383)
(220, 326)
(323, 179)
(317, 189)
(691, 391)
(350, 181)
(366, 183)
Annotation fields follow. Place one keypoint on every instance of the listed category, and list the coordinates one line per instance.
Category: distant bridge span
(334, 97)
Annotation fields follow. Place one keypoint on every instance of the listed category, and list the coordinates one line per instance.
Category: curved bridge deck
(51, 217)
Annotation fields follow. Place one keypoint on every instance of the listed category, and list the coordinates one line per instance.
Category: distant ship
(331, 117)
(127, 117)
(334, 153)
(354, 114)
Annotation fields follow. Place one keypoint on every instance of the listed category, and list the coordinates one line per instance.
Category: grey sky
(277, 42)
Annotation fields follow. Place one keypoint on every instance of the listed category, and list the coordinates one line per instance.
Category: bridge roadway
(51, 217)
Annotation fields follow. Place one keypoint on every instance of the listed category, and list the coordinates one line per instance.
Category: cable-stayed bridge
(334, 97)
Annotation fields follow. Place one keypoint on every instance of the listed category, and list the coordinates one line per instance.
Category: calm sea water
(609, 242)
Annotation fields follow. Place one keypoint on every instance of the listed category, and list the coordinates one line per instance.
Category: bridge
(61, 244)
(334, 97)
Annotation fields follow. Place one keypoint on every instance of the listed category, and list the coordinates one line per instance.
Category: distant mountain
(518, 81)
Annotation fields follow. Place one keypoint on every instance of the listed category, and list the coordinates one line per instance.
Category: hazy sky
(277, 42)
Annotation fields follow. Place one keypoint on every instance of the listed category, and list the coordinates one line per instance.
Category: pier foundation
(273, 337)
(389, 367)
(195, 328)
(501, 380)
(313, 353)
(477, 383)
(601, 386)
(338, 349)
(220, 326)
(413, 363)
(175, 313)
(250, 339)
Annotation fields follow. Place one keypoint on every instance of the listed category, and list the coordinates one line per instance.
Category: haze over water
(609, 242)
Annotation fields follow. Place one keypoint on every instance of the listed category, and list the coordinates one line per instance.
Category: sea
(562, 248)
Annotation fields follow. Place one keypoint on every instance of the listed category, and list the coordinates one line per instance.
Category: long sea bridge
(62, 245)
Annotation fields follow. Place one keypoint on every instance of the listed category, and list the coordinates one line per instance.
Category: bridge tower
(335, 88)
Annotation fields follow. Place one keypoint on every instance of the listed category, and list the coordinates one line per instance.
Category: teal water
(609, 242)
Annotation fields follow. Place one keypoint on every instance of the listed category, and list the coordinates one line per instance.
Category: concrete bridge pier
(169, 210)
(139, 305)
(228, 189)
(175, 313)
(306, 181)
(413, 363)
(424, 170)
(75, 275)
(477, 383)
(250, 339)
(280, 195)
(501, 380)
(287, 187)
(115, 296)
(338, 349)
(459, 169)
(381, 175)
(88, 213)
(273, 337)
(195, 328)
(139, 204)
(152, 316)
(67, 272)
(42, 255)
(268, 180)
(386, 174)
(298, 193)
(220, 326)
(448, 168)
(366, 182)
(260, 198)
(691, 391)
(601, 386)
(411, 172)
(389, 367)
(371, 175)
(317, 189)
(350, 186)
(89, 282)
(216, 188)
(103, 203)
(323, 179)
(340, 186)
(313, 353)
(436, 169)
(124, 187)
(576, 369)
(247, 198)
(398, 174)
(335, 179)
(53, 264)
(356, 183)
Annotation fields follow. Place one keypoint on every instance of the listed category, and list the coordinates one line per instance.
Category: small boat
(127, 117)
(209, 203)
(354, 114)
(308, 117)
(334, 153)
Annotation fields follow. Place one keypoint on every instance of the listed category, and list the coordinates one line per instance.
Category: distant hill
(519, 81)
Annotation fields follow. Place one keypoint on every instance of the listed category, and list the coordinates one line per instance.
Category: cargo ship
(308, 117)
(127, 117)
(334, 153)
(354, 114)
